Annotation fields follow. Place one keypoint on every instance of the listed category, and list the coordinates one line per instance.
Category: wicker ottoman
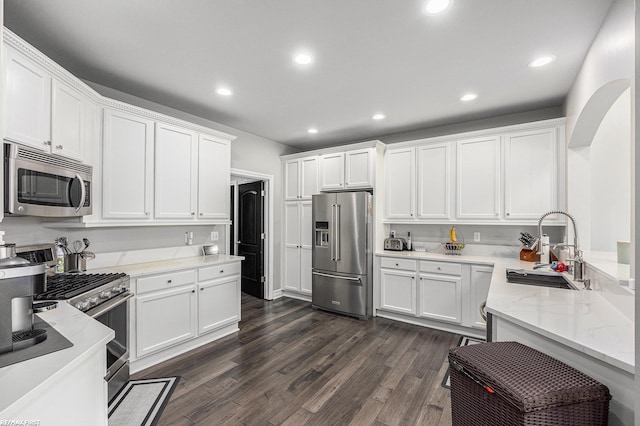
(507, 383)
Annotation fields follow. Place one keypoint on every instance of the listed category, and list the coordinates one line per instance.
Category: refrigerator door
(347, 294)
(352, 214)
(322, 221)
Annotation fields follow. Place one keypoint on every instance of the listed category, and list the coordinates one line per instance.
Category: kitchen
(603, 64)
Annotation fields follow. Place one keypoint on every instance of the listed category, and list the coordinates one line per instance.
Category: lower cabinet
(165, 318)
(177, 311)
(440, 294)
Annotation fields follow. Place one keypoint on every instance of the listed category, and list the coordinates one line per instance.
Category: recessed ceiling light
(223, 91)
(378, 116)
(303, 59)
(468, 97)
(433, 7)
(541, 61)
(312, 131)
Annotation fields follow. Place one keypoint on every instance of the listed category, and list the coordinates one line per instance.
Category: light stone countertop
(136, 270)
(87, 335)
(582, 320)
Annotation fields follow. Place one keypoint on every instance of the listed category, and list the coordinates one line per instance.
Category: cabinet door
(480, 281)
(165, 318)
(292, 179)
(176, 178)
(127, 162)
(218, 303)
(530, 167)
(332, 171)
(67, 120)
(398, 291)
(308, 177)
(441, 297)
(359, 169)
(292, 246)
(400, 181)
(306, 238)
(478, 178)
(27, 105)
(214, 174)
(434, 173)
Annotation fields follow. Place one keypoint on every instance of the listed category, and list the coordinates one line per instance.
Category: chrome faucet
(578, 262)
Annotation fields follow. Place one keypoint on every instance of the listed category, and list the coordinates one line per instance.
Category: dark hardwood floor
(290, 364)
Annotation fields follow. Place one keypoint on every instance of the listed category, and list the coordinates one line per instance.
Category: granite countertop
(86, 334)
(135, 270)
(580, 319)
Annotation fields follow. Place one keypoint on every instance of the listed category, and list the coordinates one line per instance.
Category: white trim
(269, 190)
(277, 294)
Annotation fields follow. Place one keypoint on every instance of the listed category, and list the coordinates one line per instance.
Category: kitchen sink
(539, 278)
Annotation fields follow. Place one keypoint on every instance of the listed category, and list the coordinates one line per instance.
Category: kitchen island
(64, 387)
(579, 327)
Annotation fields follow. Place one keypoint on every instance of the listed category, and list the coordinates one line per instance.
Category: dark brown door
(250, 237)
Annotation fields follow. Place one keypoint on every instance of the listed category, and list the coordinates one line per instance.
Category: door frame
(268, 223)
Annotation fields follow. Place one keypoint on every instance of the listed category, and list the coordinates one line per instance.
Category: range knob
(93, 300)
(119, 289)
(105, 294)
(83, 305)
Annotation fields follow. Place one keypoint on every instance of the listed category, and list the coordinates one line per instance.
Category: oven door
(115, 315)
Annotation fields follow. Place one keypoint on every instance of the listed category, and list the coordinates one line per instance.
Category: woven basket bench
(507, 383)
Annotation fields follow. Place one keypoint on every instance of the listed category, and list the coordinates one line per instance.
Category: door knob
(238, 242)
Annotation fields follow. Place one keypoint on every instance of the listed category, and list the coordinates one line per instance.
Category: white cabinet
(347, 170)
(214, 174)
(478, 178)
(301, 178)
(434, 181)
(400, 183)
(398, 285)
(27, 105)
(298, 240)
(480, 281)
(127, 162)
(440, 297)
(176, 179)
(41, 111)
(218, 303)
(165, 318)
(530, 173)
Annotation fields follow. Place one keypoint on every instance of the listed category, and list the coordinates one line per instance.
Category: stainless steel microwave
(40, 184)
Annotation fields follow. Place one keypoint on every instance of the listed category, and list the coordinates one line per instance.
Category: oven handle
(101, 309)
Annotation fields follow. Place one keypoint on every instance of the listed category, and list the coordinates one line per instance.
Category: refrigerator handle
(336, 228)
(332, 242)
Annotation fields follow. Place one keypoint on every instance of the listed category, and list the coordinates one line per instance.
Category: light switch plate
(215, 236)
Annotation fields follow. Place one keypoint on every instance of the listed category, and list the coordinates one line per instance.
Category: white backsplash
(129, 257)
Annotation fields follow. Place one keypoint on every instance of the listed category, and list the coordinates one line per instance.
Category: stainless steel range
(104, 297)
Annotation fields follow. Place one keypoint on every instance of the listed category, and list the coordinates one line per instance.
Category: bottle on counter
(408, 240)
(59, 259)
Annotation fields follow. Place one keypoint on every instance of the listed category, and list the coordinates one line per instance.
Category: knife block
(529, 255)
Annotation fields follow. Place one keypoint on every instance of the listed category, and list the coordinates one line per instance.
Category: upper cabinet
(41, 111)
(508, 175)
(530, 173)
(214, 173)
(176, 174)
(301, 178)
(478, 178)
(347, 170)
(127, 189)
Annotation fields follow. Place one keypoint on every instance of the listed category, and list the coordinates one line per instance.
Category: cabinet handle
(201, 213)
(508, 214)
(439, 268)
(201, 288)
(222, 271)
(193, 213)
(59, 147)
(169, 281)
(193, 291)
(48, 143)
(397, 264)
(146, 213)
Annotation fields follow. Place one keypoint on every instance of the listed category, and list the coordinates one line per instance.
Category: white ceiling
(370, 56)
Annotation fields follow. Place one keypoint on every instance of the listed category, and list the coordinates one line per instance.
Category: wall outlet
(476, 237)
(215, 236)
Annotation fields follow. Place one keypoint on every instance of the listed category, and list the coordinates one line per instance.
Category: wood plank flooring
(292, 365)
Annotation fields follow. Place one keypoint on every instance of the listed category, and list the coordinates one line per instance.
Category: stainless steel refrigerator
(342, 263)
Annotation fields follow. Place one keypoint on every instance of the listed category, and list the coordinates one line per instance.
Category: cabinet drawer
(159, 282)
(441, 267)
(395, 263)
(218, 271)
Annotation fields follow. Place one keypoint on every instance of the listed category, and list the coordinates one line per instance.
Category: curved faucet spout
(577, 253)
